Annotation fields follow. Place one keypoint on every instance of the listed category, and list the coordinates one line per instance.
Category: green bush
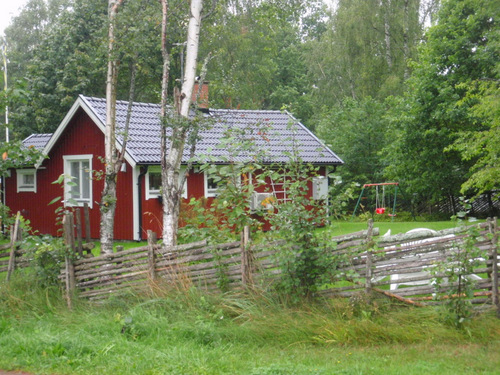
(47, 255)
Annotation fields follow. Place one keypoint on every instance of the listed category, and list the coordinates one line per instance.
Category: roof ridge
(144, 133)
(247, 110)
(210, 109)
(121, 101)
(37, 135)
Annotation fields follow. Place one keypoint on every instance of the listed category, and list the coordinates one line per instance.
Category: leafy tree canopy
(439, 106)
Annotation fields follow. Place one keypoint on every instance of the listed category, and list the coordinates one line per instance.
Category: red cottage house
(77, 148)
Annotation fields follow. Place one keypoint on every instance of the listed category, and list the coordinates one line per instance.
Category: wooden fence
(11, 256)
(401, 266)
(407, 267)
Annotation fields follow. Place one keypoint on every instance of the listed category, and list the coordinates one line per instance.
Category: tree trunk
(193, 39)
(108, 200)
(171, 163)
(406, 42)
(386, 4)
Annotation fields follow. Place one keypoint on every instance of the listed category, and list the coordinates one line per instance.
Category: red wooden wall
(80, 137)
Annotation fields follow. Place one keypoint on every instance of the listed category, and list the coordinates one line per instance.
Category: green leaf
(55, 200)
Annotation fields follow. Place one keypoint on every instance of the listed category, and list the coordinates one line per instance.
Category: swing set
(382, 201)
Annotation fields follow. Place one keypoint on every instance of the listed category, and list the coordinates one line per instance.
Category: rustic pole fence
(493, 229)
(78, 222)
(246, 258)
(69, 240)
(151, 255)
(14, 234)
(86, 214)
(369, 260)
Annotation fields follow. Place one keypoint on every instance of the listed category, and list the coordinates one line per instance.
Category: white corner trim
(135, 203)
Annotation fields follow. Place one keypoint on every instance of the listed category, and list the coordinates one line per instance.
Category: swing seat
(380, 210)
(391, 215)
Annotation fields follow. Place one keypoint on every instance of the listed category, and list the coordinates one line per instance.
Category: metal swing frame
(396, 184)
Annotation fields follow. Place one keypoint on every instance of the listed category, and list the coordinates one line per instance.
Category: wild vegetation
(188, 332)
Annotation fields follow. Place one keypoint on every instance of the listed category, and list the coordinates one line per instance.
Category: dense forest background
(401, 90)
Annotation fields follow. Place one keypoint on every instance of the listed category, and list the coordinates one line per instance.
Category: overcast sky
(9, 9)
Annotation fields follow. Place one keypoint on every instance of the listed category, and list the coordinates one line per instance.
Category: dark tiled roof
(275, 134)
(37, 141)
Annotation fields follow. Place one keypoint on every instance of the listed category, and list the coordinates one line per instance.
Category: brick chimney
(203, 98)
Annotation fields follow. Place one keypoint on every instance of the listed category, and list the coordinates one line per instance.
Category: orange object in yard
(4, 155)
(380, 210)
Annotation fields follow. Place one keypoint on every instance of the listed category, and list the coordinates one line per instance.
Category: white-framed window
(78, 180)
(153, 182)
(211, 186)
(26, 180)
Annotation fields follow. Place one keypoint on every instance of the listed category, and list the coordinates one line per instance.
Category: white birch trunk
(193, 41)
(406, 42)
(387, 32)
(108, 201)
(172, 163)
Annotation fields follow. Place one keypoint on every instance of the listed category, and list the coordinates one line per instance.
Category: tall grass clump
(24, 295)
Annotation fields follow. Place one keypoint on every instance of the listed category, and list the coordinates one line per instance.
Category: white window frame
(209, 192)
(212, 192)
(154, 194)
(69, 201)
(21, 185)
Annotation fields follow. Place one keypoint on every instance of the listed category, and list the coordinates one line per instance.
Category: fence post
(493, 229)
(369, 260)
(86, 214)
(79, 231)
(13, 239)
(368, 282)
(246, 259)
(69, 240)
(151, 255)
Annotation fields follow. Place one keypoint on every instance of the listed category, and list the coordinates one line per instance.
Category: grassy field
(345, 227)
(337, 228)
(187, 332)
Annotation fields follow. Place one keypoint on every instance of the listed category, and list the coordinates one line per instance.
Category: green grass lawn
(337, 228)
(197, 333)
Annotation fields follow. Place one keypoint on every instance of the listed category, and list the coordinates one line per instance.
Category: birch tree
(113, 158)
(178, 124)
(108, 200)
